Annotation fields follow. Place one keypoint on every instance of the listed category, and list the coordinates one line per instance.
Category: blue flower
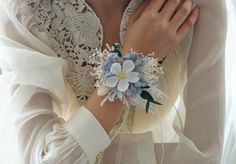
(133, 91)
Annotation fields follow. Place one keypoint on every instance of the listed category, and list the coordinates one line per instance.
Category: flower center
(122, 75)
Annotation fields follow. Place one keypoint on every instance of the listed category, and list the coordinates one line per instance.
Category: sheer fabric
(46, 103)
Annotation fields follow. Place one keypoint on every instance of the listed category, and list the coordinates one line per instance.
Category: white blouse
(44, 52)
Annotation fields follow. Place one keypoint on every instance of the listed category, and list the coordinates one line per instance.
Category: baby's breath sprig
(122, 76)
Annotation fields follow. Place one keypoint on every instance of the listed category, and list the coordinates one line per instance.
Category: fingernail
(197, 8)
(194, 5)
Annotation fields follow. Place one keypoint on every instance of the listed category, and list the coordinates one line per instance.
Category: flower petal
(102, 90)
(115, 68)
(123, 85)
(111, 81)
(128, 66)
(133, 77)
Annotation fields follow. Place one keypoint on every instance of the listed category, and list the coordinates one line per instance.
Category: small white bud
(102, 90)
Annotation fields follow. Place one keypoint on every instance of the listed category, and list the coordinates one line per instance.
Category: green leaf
(147, 96)
(156, 102)
(116, 50)
(147, 106)
(146, 87)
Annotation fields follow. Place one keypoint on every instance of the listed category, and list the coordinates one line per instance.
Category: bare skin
(166, 29)
(110, 13)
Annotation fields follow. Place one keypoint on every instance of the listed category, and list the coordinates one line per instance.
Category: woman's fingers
(170, 8)
(188, 23)
(162, 36)
(138, 11)
(182, 14)
(155, 5)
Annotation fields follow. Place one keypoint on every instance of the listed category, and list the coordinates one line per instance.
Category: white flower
(122, 76)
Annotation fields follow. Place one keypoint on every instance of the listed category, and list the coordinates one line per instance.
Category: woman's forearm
(107, 114)
(162, 31)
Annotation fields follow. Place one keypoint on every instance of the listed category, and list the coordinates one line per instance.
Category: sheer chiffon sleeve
(201, 140)
(44, 137)
(41, 96)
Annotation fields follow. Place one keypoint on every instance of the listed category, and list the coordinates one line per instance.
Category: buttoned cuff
(88, 132)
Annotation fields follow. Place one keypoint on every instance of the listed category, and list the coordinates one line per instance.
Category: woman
(46, 47)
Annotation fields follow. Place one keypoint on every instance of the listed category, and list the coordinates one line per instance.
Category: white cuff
(88, 132)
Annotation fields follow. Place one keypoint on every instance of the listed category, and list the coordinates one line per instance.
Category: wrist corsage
(127, 77)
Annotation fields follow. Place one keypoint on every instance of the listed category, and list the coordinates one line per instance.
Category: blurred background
(229, 154)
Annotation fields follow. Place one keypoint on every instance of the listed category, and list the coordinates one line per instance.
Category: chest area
(74, 21)
(75, 31)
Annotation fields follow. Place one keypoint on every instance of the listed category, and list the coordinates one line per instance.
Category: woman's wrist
(106, 114)
(124, 50)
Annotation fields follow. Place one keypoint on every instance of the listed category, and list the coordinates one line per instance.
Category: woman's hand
(158, 26)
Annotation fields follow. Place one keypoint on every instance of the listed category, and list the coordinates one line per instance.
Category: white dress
(44, 52)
